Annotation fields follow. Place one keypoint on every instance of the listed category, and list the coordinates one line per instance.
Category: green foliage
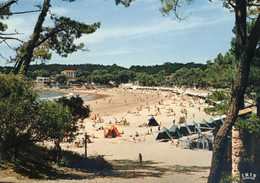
(124, 76)
(75, 160)
(167, 67)
(55, 119)
(36, 162)
(146, 79)
(76, 106)
(101, 76)
(173, 6)
(18, 108)
(4, 13)
(59, 38)
(25, 119)
(126, 3)
(81, 80)
(219, 109)
(229, 179)
(61, 79)
(218, 96)
(38, 73)
(251, 124)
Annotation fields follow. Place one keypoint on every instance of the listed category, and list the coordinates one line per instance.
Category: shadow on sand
(75, 167)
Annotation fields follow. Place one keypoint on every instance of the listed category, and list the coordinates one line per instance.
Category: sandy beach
(164, 161)
(137, 107)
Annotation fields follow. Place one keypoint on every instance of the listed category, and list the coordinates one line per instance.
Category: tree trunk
(58, 151)
(16, 151)
(245, 49)
(24, 61)
(236, 148)
(258, 106)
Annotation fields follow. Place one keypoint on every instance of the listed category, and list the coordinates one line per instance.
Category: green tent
(194, 127)
(185, 130)
(204, 126)
(175, 132)
(164, 134)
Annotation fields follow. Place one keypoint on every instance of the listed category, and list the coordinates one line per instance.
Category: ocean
(52, 95)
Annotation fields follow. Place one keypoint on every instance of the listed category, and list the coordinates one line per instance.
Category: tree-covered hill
(167, 66)
(152, 69)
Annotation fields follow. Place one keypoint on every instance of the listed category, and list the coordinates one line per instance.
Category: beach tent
(112, 132)
(212, 123)
(204, 125)
(164, 134)
(175, 132)
(152, 122)
(194, 127)
(185, 130)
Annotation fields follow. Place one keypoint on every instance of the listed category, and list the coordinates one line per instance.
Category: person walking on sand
(140, 158)
(172, 143)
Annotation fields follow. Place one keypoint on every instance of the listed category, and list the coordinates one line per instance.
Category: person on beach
(140, 158)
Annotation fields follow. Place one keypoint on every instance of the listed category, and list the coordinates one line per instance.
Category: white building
(69, 73)
(42, 81)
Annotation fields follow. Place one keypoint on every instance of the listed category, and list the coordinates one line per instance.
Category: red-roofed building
(69, 73)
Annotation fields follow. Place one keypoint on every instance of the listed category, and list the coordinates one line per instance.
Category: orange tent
(112, 132)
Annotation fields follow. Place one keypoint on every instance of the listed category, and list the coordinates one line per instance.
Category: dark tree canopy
(76, 106)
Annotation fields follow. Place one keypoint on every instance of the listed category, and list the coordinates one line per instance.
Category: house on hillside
(69, 73)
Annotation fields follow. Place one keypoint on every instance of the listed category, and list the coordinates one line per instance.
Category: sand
(137, 107)
(168, 162)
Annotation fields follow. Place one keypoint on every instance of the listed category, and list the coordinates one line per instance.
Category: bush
(220, 109)
(218, 96)
(75, 160)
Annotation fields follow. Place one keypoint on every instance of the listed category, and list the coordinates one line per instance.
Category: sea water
(52, 95)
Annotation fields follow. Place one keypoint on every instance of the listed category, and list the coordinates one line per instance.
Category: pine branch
(21, 12)
(8, 4)
(11, 38)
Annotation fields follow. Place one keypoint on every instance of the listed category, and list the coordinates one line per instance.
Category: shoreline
(74, 92)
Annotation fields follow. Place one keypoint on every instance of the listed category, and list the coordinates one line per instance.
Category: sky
(137, 35)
